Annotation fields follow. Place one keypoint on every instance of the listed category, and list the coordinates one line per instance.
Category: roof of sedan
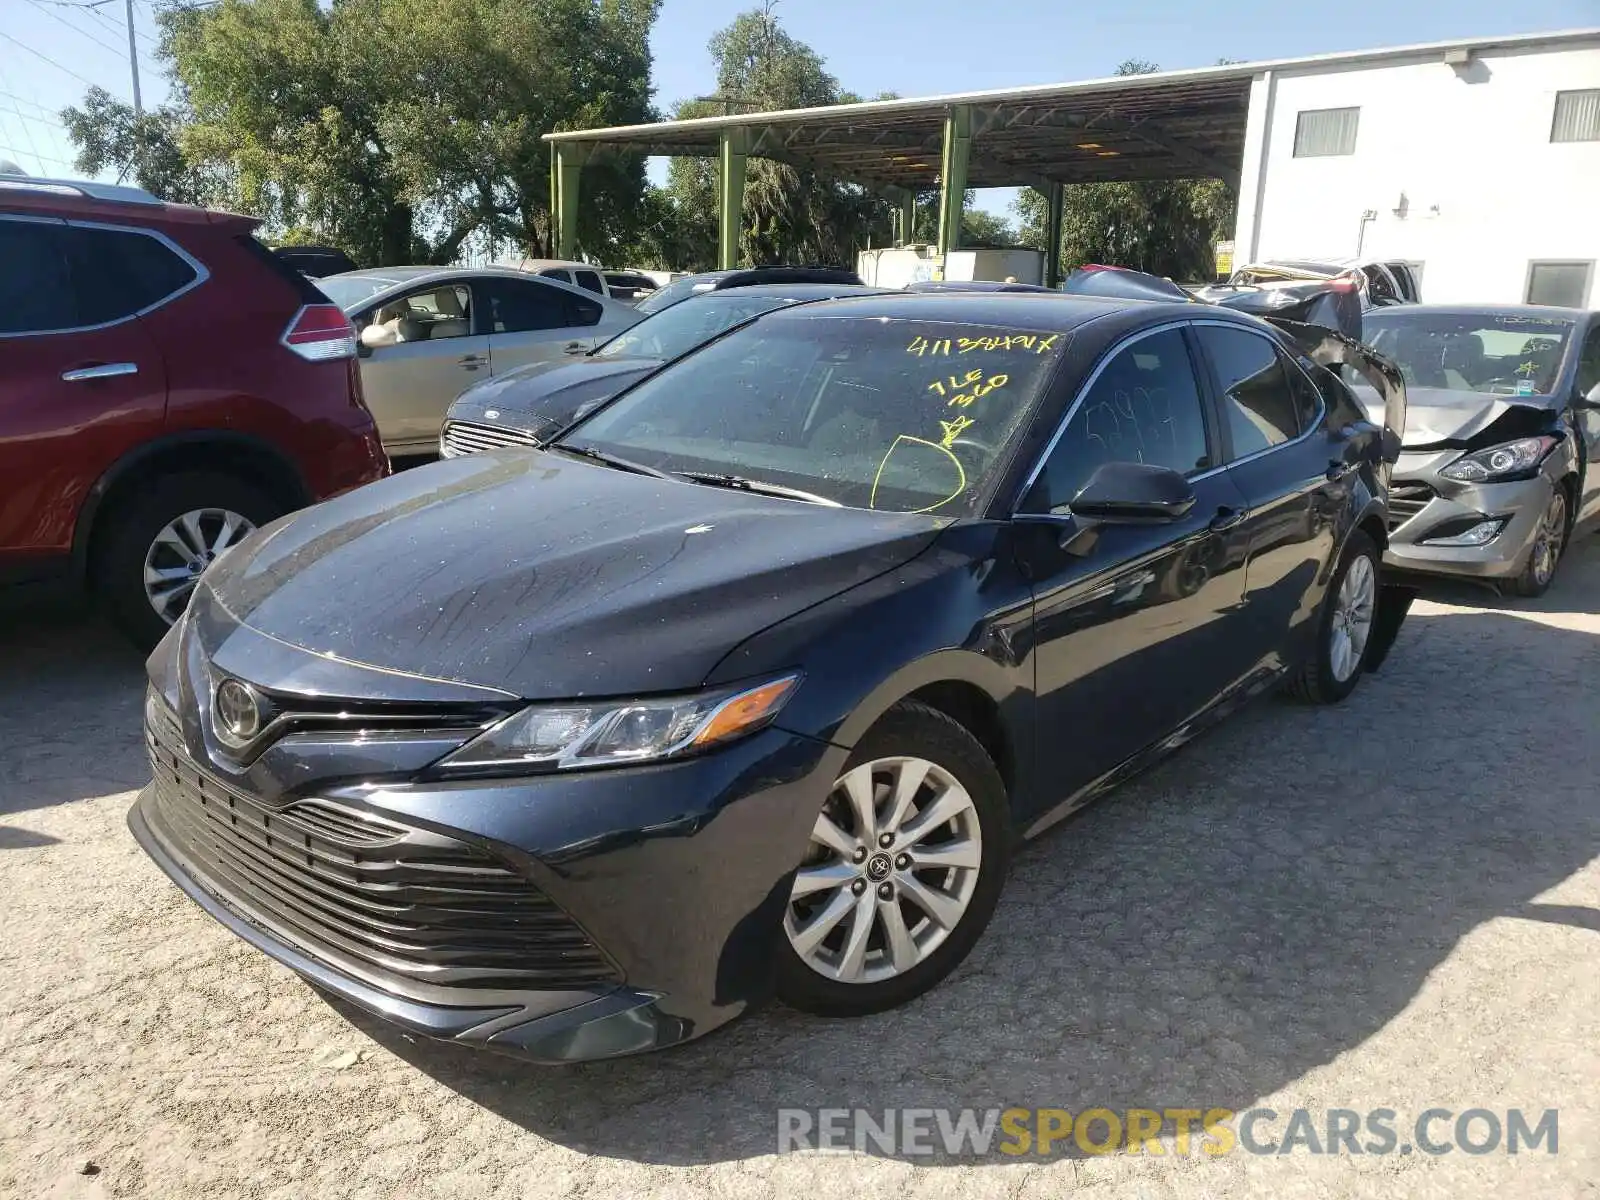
(793, 291)
(1023, 310)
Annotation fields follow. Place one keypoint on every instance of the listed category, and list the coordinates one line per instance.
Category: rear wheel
(151, 555)
(903, 871)
(1549, 540)
(1345, 627)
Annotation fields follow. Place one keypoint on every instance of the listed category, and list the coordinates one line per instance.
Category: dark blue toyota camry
(752, 682)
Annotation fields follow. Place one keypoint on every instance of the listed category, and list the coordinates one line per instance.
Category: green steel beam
(953, 175)
(908, 216)
(566, 169)
(735, 148)
(1052, 234)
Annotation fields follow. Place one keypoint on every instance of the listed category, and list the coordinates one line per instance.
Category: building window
(1577, 117)
(1323, 131)
(1562, 283)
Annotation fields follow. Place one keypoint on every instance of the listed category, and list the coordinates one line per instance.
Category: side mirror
(1133, 493)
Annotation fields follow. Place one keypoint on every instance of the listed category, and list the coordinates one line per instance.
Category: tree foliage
(397, 128)
(790, 215)
(1166, 227)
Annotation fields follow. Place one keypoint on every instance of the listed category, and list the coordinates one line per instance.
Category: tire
(1327, 677)
(122, 547)
(1550, 539)
(961, 778)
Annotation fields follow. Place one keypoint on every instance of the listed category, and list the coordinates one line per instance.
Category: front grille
(404, 903)
(468, 437)
(1406, 500)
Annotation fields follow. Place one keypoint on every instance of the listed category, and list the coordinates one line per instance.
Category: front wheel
(1544, 556)
(1345, 627)
(903, 870)
(151, 555)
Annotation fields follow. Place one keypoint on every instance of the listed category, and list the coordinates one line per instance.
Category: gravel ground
(1391, 904)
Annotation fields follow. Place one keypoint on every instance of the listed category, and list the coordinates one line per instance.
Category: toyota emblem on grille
(236, 714)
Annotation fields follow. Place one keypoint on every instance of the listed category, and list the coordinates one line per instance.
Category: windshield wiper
(610, 460)
(755, 486)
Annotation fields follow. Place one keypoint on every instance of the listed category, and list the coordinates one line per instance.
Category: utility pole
(133, 60)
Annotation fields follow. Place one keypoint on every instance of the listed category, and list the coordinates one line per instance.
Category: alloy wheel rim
(1352, 618)
(1548, 543)
(183, 551)
(891, 869)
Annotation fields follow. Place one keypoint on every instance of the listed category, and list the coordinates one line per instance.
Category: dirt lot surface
(1391, 904)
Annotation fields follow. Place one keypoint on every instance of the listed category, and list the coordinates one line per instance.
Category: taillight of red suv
(321, 333)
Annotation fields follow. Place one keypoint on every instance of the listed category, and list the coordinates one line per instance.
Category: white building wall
(1485, 190)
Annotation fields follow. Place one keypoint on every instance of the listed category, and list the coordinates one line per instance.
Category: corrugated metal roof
(1164, 125)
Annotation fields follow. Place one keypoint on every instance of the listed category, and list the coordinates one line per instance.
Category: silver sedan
(427, 333)
(1502, 435)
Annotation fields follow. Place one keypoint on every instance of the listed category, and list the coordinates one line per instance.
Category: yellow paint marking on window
(961, 473)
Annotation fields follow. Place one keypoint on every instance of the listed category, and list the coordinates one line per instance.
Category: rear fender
(1332, 349)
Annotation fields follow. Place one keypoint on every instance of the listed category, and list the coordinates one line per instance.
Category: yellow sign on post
(1224, 259)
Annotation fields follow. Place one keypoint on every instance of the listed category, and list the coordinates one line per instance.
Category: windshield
(684, 326)
(348, 291)
(671, 294)
(897, 415)
(1504, 354)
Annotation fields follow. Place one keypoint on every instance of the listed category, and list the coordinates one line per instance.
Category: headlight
(565, 736)
(1498, 462)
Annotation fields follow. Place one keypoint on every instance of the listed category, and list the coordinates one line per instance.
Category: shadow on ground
(1258, 905)
(1263, 902)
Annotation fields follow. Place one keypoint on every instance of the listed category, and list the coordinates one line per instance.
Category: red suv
(167, 384)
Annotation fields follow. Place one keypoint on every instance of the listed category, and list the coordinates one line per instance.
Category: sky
(51, 50)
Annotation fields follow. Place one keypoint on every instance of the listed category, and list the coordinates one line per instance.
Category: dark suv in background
(168, 384)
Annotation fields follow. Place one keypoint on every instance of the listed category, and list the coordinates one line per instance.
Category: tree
(1166, 227)
(144, 148)
(397, 129)
(790, 215)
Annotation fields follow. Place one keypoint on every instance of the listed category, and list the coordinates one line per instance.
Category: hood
(544, 398)
(1445, 417)
(543, 576)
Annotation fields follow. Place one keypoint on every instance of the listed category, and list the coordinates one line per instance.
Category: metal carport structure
(1166, 125)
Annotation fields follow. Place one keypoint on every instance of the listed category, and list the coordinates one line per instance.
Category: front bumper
(1522, 504)
(677, 873)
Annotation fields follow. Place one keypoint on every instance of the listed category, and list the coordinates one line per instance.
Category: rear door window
(37, 291)
(1260, 408)
(560, 273)
(521, 306)
(589, 281)
(118, 272)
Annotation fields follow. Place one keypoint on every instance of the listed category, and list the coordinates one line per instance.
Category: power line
(112, 23)
(37, 157)
(19, 99)
(78, 29)
(46, 58)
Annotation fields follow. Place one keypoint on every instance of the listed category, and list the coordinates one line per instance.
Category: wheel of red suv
(153, 550)
(1345, 627)
(1545, 554)
(903, 870)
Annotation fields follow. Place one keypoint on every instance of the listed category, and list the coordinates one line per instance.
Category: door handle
(99, 371)
(472, 361)
(1226, 518)
(1338, 470)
